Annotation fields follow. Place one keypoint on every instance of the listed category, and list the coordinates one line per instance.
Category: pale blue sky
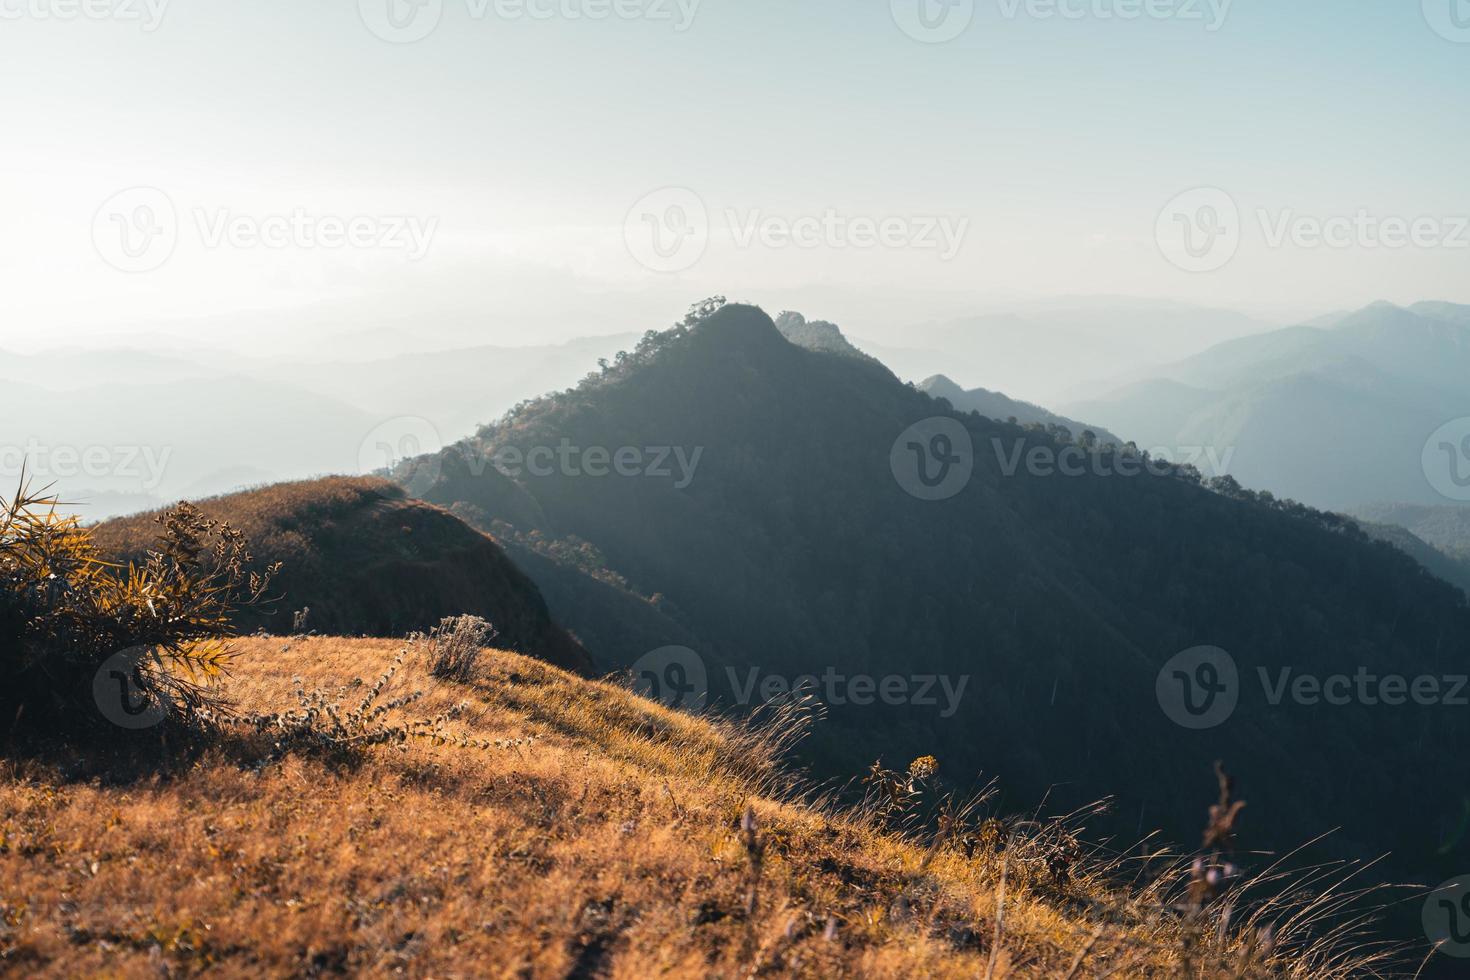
(1058, 140)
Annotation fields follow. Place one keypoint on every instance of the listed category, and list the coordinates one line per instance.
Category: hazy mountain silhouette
(994, 405)
(1054, 352)
(268, 418)
(1336, 415)
(815, 335)
(107, 447)
(1446, 526)
(795, 549)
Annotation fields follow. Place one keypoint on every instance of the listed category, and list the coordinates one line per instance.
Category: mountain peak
(940, 386)
(737, 322)
(818, 335)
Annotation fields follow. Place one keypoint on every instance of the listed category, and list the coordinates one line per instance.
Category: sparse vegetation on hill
(360, 557)
(590, 833)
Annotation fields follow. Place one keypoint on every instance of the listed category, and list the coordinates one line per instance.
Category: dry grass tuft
(454, 646)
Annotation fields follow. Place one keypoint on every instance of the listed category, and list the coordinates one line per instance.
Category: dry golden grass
(609, 845)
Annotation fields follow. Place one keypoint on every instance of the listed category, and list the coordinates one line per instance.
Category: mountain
(994, 405)
(366, 559)
(769, 515)
(1336, 415)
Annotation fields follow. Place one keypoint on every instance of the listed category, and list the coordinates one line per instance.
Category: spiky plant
(65, 613)
(344, 723)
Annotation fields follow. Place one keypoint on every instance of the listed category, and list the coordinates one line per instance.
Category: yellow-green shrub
(64, 613)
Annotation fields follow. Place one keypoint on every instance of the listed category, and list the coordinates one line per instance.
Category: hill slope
(601, 837)
(366, 559)
(1050, 605)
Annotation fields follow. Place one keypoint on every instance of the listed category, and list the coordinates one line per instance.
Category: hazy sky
(553, 167)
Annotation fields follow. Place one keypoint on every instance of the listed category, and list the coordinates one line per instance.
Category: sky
(534, 170)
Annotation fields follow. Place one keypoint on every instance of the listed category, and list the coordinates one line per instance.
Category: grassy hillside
(365, 559)
(596, 835)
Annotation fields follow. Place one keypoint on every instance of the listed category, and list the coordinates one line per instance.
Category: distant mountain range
(162, 426)
(1335, 414)
(781, 512)
(1048, 353)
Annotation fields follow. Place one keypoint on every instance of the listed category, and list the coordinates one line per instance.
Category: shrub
(65, 615)
(344, 723)
(454, 646)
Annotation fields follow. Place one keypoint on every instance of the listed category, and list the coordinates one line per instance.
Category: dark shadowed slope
(367, 560)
